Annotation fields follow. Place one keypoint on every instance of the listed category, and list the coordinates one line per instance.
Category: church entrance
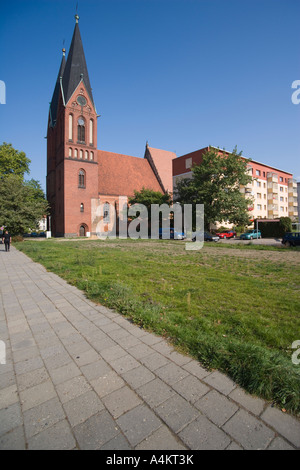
(82, 231)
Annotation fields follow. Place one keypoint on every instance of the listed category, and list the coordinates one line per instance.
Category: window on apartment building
(281, 199)
(258, 195)
(264, 174)
(281, 209)
(281, 179)
(265, 208)
(258, 184)
(257, 172)
(281, 189)
(258, 207)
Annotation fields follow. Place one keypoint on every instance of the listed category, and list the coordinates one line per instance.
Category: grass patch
(233, 310)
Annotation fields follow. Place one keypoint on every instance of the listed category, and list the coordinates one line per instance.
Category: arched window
(92, 156)
(86, 155)
(80, 154)
(81, 130)
(70, 126)
(75, 153)
(81, 179)
(91, 131)
(70, 152)
(82, 207)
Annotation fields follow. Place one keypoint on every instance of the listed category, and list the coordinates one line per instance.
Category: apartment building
(273, 191)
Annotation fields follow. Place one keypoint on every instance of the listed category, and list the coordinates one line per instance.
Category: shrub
(17, 238)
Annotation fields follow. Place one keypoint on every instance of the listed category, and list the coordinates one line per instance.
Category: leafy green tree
(216, 184)
(148, 196)
(22, 205)
(12, 162)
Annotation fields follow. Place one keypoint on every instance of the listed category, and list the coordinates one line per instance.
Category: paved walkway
(80, 376)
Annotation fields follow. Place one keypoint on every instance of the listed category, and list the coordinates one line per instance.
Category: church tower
(72, 165)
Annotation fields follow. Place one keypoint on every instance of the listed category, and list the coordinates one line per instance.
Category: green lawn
(236, 310)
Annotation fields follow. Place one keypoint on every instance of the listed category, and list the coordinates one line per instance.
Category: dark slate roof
(55, 97)
(76, 69)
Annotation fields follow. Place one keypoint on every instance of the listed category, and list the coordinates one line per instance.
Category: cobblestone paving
(79, 376)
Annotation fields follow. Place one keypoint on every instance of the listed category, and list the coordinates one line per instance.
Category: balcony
(272, 187)
(272, 178)
(246, 189)
(292, 193)
(293, 201)
(292, 183)
(293, 213)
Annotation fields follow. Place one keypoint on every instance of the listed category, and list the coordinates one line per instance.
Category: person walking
(6, 238)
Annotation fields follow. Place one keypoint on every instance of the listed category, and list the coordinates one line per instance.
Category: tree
(145, 198)
(216, 184)
(148, 197)
(12, 162)
(22, 204)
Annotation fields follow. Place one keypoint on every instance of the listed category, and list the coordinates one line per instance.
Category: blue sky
(180, 74)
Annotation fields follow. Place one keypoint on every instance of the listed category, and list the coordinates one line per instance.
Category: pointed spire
(76, 68)
(55, 96)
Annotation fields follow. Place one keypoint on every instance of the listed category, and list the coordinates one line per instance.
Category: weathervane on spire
(76, 16)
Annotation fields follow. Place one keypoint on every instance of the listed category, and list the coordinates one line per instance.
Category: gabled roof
(161, 163)
(76, 68)
(55, 96)
(122, 174)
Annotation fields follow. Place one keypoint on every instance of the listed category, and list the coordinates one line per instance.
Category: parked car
(250, 234)
(171, 233)
(209, 237)
(291, 239)
(226, 234)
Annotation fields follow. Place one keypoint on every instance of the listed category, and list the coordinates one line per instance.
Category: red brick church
(77, 172)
